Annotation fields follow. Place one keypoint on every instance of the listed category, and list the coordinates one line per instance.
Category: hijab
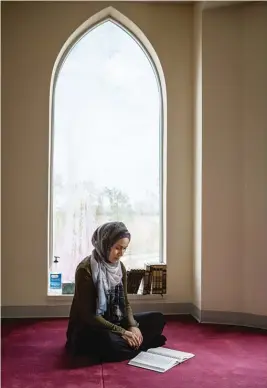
(107, 276)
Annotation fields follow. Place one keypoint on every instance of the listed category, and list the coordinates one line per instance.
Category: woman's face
(118, 250)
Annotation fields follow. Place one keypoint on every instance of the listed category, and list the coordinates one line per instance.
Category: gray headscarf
(106, 275)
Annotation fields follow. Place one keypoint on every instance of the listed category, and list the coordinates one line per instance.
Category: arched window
(106, 154)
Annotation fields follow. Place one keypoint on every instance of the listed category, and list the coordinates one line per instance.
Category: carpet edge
(202, 316)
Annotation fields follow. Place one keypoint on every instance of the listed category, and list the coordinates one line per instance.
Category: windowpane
(106, 147)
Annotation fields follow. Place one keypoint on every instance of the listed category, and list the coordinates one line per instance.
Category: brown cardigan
(83, 308)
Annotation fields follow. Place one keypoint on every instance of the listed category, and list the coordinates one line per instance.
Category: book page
(153, 361)
(176, 354)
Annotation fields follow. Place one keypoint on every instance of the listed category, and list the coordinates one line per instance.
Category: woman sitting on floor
(101, 322)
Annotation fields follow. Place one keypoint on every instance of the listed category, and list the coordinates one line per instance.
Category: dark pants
(104, 345)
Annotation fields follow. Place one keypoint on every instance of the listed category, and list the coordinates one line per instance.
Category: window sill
(132, 298)
(136, 297)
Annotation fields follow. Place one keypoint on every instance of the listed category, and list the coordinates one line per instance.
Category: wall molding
(62, 311)
(202, 316)
(234, 318)
(196, 313)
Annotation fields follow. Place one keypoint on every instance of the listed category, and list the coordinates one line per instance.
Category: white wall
(32, 36)
(234, 223)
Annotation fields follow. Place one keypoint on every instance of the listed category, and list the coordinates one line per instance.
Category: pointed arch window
(106, 154)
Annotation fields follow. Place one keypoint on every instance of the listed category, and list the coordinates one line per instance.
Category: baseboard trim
(167, 308)
(62, 311)
(46, 311)
(196, 313)
(202, 316)
(234, 318)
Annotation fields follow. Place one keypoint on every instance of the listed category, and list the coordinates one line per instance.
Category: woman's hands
(134, 337)
(138, 334)
(131, 339)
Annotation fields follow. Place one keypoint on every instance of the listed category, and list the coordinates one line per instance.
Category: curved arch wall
(30, 54)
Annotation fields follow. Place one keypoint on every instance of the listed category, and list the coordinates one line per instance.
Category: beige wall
(222, 160)
(254, 121)
(223, 264)
(197, 157)
(234, 223)
(32, 36)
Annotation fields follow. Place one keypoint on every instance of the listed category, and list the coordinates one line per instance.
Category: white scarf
(106, 276)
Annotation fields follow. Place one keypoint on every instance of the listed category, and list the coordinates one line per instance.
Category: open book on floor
(160, 359)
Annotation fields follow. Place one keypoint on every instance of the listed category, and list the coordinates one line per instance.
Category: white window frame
(111, 14)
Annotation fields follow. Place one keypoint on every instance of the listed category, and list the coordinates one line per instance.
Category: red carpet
(226, 357)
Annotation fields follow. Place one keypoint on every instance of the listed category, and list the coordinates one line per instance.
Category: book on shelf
(164, 280)
(155, 279)
(160, 359)
(134, 278)
(147, 281)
